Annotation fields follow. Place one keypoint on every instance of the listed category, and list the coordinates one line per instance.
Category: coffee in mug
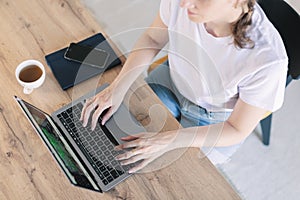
(30, 74)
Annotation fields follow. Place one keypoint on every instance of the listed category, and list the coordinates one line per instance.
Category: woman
(226, 68)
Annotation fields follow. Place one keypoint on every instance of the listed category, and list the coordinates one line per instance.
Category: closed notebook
(69, 73)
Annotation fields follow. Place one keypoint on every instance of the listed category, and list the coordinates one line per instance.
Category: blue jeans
(187, 113)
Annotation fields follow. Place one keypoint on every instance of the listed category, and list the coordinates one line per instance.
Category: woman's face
(201, 11)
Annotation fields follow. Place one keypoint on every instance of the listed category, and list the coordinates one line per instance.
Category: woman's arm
(242, 121)
(149, 44)
(141, 56)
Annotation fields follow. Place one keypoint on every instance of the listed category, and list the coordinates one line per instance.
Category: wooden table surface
(32, 29)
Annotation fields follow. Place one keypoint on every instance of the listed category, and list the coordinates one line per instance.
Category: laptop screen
(56, 146)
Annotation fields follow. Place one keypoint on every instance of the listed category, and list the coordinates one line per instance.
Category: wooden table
(32, 29)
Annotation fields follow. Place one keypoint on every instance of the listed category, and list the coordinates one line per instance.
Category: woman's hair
(239, 28)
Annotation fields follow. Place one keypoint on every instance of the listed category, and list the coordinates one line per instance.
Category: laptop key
(92, 143)
(107, 142)
(109, 168)
(93, 134)
(99, 152)
(102, 157)
(102, 168)
(106, 173)
(105, 182)
(105, 162)
(96, 138)
(114, 173)
(114, 163)
(88, 138)
(111, 148)
(69, 110)
(95, 148)
(103, 137)
(100, 143)
(85, 143)
(110, 178)
(121, 172)
(101, 176)
(119, 169)
(103, 148)
(77, 111)
(95, 159)
(74, 130)
(127, 167)
(88, 148)
(79, 106)
(114, 153)
(71, 125)
(78, 124)
(99, 163)
(65, 115)
(107, 153)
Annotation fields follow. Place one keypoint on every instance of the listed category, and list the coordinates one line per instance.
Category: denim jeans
(188, 113)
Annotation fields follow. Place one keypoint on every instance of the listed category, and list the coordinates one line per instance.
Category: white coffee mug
(30, 74)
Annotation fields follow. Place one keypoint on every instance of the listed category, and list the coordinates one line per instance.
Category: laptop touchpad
(123, 123)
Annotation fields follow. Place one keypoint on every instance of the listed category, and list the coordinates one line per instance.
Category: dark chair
(287, 21)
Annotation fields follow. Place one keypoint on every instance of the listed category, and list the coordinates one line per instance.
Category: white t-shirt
(213, 73)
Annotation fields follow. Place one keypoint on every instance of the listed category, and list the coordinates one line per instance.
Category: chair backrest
(287, 21)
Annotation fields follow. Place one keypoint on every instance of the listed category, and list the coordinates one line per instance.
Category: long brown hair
(239, 28)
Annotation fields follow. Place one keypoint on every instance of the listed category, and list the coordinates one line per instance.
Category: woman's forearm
(145, 49)
(242, 121)
(219, 135)
(139, 60)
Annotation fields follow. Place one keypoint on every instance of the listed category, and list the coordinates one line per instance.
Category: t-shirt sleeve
(165, 11)
(265, 88)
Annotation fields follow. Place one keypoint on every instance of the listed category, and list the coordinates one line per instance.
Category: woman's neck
(218, 30)
(222, 28)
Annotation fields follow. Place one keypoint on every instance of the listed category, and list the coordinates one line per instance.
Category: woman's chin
(195, 18)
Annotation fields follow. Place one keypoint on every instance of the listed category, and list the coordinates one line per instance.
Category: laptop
(86, 157)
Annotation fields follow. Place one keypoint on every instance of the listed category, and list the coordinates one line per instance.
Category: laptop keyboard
(96, 145)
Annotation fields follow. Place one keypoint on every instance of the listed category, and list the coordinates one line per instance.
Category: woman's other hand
(145, 147)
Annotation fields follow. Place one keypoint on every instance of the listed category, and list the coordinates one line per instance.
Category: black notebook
(69, 73)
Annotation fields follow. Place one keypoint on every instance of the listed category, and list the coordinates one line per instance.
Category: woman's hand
(110, 98)
(145, 147)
